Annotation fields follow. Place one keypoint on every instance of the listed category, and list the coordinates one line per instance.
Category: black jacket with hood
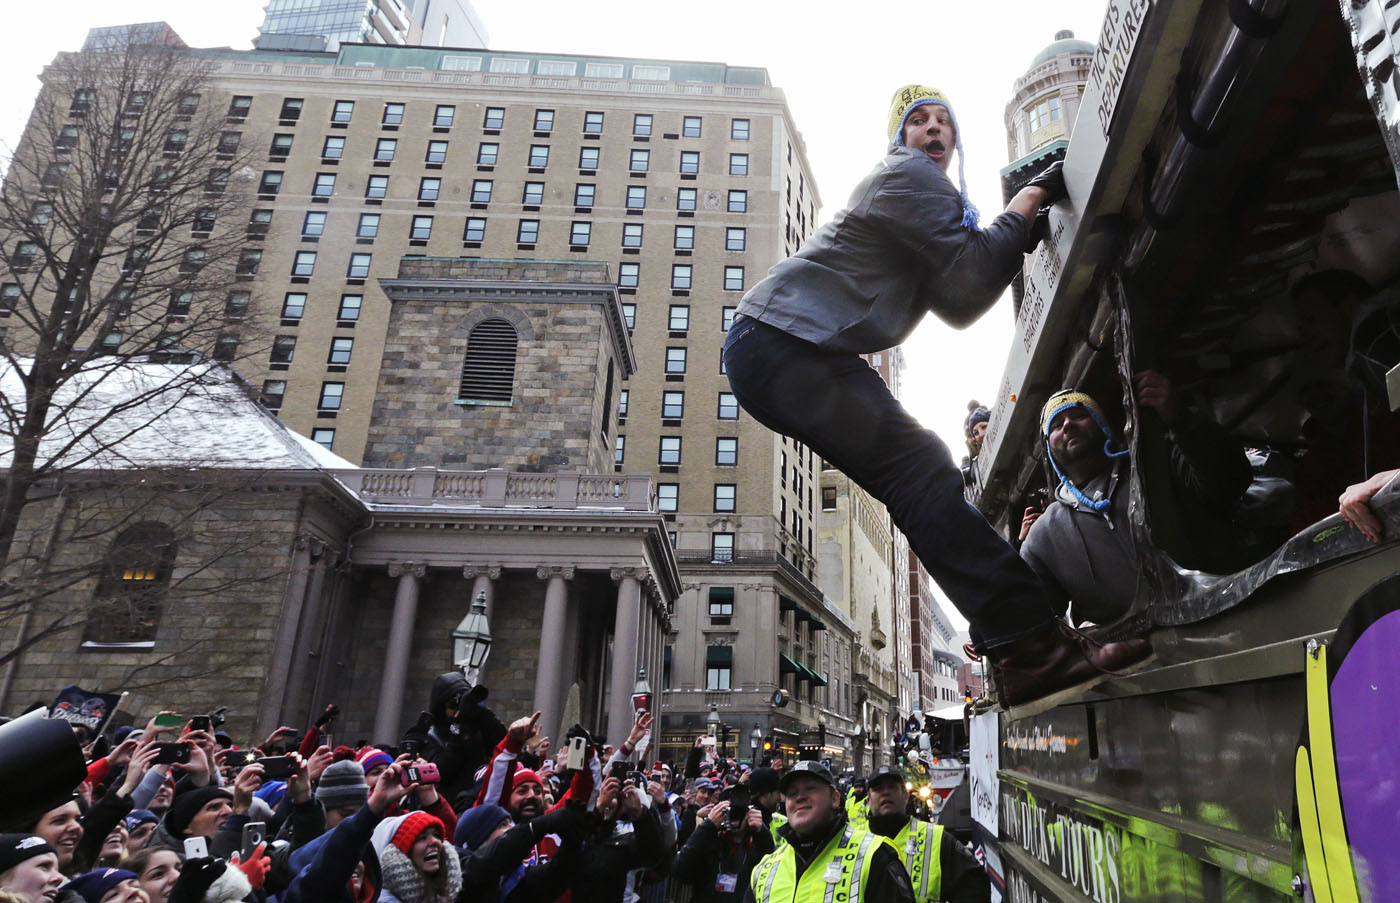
(460, 746)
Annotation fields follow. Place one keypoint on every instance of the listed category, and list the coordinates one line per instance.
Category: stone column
(624, 661)
(483, 580)
(396, 657)
(549, 676)
(284, 643)
(309, 645)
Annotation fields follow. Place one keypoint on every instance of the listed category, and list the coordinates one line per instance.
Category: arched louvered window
(132, 585)
(488, 374)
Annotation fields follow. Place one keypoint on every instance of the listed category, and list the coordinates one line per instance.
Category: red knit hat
(524, 776)
(409, 829)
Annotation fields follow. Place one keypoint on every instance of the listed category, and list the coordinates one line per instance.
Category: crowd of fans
(467, 809)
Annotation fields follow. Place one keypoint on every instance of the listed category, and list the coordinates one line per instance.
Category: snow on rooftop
(120, 414)
(324, 456)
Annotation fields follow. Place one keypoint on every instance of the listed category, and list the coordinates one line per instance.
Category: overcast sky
(838, 64)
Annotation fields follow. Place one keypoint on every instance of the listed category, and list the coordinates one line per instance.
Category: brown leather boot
(1040, 671)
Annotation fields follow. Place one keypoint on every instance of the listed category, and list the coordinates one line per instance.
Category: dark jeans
(837, 405)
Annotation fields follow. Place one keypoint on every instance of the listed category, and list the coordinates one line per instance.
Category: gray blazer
(863, 281)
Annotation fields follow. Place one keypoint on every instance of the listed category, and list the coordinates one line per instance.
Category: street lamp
(821, 736)
(755, 741)
(641, 692)
(712, 722)
(471, 640)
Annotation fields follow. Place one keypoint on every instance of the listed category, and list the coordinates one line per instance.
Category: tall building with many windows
(438, 23)
(688, 180)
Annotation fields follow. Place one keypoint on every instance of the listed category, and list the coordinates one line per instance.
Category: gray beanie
(342, 784)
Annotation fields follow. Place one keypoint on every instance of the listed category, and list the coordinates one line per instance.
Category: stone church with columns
(488, 474)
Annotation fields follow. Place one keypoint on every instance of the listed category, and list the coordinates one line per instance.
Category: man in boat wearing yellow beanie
(909, 243)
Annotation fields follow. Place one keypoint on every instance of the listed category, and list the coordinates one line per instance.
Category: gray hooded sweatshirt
(863, 281)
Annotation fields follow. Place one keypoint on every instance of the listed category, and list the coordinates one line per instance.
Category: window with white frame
(510, 65)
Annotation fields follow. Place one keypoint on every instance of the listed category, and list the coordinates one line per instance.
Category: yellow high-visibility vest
(838, 874)
(777, 821)
(919, 845)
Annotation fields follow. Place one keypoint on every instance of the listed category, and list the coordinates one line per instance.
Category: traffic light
(768, 743)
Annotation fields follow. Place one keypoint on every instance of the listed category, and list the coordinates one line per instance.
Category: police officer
(826, 858)
(940, 868)
(856, 810)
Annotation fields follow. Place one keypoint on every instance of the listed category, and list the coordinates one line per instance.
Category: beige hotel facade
(688, 180)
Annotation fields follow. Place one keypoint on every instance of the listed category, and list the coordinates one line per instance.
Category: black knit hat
(17, 848)
(975, 414)
(187, 806)
(763, 780)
